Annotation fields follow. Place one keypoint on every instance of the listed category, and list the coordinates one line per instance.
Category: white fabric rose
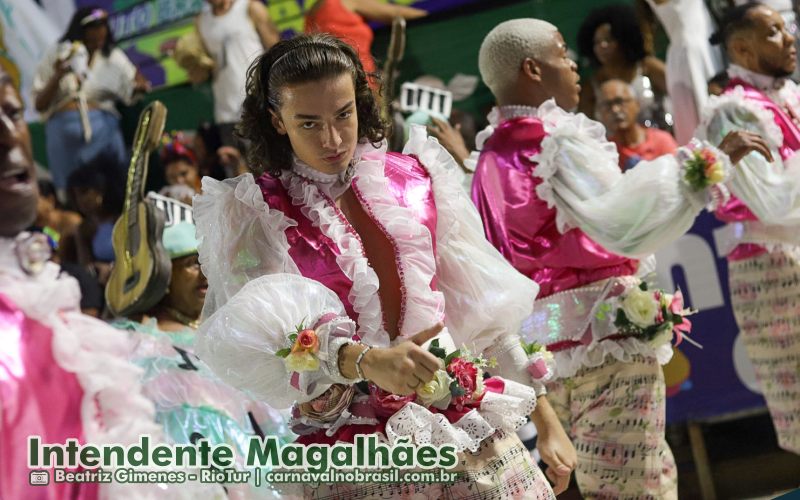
(640, 307)
(436, 392)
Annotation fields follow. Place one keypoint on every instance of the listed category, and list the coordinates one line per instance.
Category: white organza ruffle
(486, 298)
(631, 214)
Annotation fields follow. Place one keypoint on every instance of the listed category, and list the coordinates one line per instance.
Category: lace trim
(568, 362)
(507, 411)
(363, 295)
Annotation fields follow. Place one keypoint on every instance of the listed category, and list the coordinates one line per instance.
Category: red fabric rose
(465, 373)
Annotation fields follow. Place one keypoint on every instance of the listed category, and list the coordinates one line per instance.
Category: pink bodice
(521, 226)
(735, 210)
(315, 254)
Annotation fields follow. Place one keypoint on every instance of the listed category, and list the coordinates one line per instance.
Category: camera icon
(39, 478)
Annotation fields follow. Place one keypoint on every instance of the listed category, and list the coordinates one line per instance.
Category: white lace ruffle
(422, 307)
(363, 295)
(736, 99)
(507, 411)
(557, 123)
(569, 361)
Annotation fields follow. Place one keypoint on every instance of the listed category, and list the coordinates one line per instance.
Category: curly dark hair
(301, 59)
(624, 28)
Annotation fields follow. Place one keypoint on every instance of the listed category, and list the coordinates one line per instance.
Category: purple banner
(718, 379)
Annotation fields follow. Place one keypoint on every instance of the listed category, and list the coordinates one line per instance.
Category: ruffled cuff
(704, 167)
(512, 362)
(278, 339)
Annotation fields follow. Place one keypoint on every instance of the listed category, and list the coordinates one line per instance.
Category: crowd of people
(322, 286)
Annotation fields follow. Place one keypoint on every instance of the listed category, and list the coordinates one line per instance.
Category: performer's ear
(531, 70)
(277, 122)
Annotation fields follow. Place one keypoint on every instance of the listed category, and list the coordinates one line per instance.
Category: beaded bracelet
(358, 362)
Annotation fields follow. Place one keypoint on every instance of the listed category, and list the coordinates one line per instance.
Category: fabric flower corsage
(302, 355)
(461, 381)
(652, 315)
(702, 167)
(540, 361)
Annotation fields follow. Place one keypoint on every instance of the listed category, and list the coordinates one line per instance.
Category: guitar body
(139, 280)
(142, 268)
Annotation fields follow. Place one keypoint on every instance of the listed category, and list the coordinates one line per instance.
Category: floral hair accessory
(702, 167)
(175, 145)
(94, 16)
(540, 361)
(302, 355)
(654, 316)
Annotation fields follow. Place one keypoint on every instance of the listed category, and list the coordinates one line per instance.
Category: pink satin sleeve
(522, 227)
(37, 397)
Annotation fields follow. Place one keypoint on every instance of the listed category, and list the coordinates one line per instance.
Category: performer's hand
(554, 446)
(738, 144)
(404, 367)
(450, 137)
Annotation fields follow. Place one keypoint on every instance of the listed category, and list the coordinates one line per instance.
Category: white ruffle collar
(765, 83)
(333, 185)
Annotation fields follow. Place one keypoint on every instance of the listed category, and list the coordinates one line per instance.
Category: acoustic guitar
(142, 268)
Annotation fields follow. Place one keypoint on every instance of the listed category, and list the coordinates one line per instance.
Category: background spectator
(611, 39)
(233, 32)
(618, 108)
(76, 88)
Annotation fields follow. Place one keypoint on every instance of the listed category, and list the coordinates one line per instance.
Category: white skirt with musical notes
(501, 469)
(765, 294)
(615, 414)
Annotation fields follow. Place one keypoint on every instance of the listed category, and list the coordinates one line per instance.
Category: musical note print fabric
(615, 415)
(765, 294)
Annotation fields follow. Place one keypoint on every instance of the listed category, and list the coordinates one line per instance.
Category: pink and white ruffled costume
(556, 205)
(277, 251)
(65, 375)
(762, 237)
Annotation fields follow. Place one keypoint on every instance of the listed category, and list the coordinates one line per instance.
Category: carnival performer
(556, 205)
(339, 265)
(761, 239)
(62, 374)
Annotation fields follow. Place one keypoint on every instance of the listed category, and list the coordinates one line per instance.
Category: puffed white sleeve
(486, 299)
(770, 190)
(240, 237)
(632, 214)
(247, 342)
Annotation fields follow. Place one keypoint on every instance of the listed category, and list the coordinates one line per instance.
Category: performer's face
(767, 47)
(18, 190)
(559, 74)
(187, 286)
(321, 121)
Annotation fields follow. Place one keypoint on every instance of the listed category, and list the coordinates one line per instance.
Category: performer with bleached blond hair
(556, 205)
